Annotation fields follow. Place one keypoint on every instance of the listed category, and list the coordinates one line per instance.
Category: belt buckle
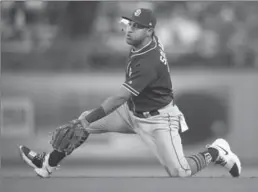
(146, 114)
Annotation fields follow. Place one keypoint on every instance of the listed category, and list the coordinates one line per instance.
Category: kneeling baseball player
(143, 105)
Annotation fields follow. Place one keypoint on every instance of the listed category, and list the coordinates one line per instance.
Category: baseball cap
(144, 17)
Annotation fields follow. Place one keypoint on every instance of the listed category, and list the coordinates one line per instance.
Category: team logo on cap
(137, 12)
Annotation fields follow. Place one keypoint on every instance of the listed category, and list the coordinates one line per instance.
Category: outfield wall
(58, 98)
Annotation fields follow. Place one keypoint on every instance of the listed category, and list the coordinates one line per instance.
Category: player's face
(135, 33)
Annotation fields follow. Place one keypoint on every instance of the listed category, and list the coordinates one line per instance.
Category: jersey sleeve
(141, 75)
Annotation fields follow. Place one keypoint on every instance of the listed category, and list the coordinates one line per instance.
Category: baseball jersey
(148, 78)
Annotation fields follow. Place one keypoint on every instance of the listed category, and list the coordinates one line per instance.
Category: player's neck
(144, 43)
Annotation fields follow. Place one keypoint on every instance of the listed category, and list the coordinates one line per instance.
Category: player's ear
(150, 31)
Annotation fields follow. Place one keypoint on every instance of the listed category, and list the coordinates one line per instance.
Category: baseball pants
(160, 133)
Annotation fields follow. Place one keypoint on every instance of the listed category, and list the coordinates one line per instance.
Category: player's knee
(185, 173)
(178, 172)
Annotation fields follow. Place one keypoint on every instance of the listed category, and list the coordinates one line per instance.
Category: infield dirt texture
(125, 179)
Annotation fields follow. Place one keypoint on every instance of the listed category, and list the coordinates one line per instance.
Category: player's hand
(84, 123)
(80, 122)
(82, 119)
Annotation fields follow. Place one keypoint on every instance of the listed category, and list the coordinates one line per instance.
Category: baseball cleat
(226, 157)
(37, 161)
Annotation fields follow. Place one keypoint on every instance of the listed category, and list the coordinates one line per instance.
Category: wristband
(95, 115)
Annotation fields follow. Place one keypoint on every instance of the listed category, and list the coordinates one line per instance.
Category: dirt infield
(140, 184)
(131, 179)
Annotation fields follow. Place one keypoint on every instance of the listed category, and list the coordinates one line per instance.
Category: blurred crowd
(76, 35)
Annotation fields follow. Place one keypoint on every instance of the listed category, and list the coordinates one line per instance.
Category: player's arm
(141, 76)
(107, 107)
(113, 102)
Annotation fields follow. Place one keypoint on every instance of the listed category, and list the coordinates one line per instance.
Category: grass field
(130, 178)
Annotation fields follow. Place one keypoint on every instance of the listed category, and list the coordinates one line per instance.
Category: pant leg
(170, 149)
(148, 139)
(163, 130)
(117, 121)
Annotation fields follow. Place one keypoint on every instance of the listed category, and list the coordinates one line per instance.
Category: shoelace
(222, 161)
(39, 159)
(40, 156)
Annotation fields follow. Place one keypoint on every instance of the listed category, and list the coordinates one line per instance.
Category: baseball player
(143, 105)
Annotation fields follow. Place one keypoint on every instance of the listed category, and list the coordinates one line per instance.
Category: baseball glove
(68, 137)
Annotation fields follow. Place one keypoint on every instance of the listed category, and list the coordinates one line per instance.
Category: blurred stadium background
(60, 58)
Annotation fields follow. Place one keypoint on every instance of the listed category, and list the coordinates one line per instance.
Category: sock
(199, 161)
(55, 157)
